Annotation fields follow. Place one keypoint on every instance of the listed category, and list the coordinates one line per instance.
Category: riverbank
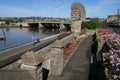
(9, 26)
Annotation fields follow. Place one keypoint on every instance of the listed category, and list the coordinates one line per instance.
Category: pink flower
(118, 59)
(115, 76)
(111, 51)
(117, 51)
(117, 69)
(113, 64)
(111, 56)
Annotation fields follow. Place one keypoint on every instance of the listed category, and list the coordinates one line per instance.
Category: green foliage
(84, 25)
(92, 24)
(7, 23)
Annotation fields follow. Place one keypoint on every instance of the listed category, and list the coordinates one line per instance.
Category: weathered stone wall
(57, 64)
(31, 69)
(78, 12)
(13, 66)
(90, 32)
(57, 61)
(76, 28)
(47, 65)
(39, 63)
(49, 58)
(46, 56)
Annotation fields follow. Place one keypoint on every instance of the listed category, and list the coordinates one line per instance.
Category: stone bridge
(58, 24)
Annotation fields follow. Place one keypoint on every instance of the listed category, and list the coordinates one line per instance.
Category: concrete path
(78, 66)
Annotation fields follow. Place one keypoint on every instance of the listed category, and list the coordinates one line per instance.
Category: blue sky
(56, 8)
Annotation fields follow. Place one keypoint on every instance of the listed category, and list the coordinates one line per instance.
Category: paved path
(78, 66)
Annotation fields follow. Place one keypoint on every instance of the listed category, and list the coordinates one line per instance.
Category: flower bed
(70, 47)
(112, 57)
(103, 32)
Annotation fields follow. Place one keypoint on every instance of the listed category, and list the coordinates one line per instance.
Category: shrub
(92, 24)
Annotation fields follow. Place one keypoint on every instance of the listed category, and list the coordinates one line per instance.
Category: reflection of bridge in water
(51, 24)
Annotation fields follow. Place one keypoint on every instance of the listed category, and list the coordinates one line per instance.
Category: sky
(56, 8)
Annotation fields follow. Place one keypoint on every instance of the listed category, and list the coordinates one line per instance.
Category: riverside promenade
(78, 66)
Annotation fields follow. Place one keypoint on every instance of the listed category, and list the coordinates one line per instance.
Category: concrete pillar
(40, 26)
(35, 71)
(76, 28)
(62, 26)
(33, 63)
(57, 60)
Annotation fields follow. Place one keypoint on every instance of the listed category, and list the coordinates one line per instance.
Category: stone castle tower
(78, 14)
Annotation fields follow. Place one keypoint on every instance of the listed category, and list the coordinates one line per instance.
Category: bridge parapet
(51, 21)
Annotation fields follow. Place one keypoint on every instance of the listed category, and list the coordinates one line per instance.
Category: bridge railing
(51, 21)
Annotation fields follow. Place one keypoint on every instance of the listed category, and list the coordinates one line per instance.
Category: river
(17, 36)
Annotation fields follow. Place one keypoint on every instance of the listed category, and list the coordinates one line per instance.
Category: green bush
(92, 24)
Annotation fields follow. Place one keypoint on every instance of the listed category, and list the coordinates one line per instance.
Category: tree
(7, 22)
(92, 24)
(84, 25)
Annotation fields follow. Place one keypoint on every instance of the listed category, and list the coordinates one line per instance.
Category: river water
(17, 36)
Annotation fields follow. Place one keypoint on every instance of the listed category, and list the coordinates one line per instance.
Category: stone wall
(49, 58)
(57, 64)
(12, 66)
(76, 28)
